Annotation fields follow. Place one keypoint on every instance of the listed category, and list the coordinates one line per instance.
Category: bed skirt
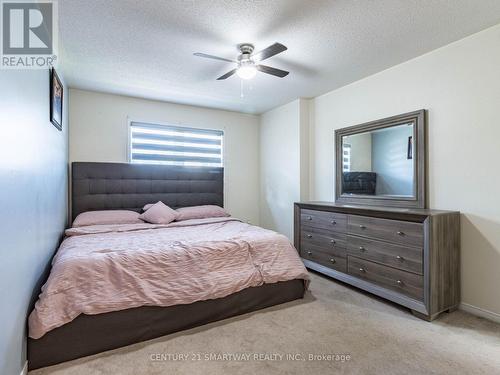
(91, 334)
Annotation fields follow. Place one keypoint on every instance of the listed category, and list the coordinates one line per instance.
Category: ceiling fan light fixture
(248, 62)
(246, 71)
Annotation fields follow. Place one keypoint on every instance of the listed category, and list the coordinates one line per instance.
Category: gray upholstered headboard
(114, 186)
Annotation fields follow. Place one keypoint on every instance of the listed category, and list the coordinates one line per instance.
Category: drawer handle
(309, 218)
(399, 257)
(400, 233)
(362, 270)
(334, 222)
(309, 253)
(332, 242)
(361, 226)
(332, 260)
(361, 248)
(309, 236)
(399, 282)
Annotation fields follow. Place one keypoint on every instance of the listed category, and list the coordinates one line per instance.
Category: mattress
(109, 268)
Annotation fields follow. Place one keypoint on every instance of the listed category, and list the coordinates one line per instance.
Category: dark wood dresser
(408, 256)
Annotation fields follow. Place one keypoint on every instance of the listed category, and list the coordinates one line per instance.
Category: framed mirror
(382, 162)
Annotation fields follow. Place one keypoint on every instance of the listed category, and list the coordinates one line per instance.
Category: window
(346, 157)
(175, 145)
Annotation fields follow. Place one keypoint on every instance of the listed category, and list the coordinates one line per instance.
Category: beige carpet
(379, 337)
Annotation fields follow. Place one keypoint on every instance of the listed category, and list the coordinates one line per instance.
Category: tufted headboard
(114, 186)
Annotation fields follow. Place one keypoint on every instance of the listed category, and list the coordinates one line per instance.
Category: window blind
(175, 145)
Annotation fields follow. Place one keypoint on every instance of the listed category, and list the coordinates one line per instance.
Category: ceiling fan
(248, 62)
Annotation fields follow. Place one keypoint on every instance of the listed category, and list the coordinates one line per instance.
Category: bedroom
(287, 156)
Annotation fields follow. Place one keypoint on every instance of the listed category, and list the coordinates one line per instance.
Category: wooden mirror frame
(418, 200)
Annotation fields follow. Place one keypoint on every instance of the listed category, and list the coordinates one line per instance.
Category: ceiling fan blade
(273, 71)
(213, 57)
(269, 52)
(227, 75)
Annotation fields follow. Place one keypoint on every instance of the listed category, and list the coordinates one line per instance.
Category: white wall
(284, 153)
(33, 175)
(98, 132)
(459, 85)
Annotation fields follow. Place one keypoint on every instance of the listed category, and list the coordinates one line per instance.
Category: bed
(112, 186)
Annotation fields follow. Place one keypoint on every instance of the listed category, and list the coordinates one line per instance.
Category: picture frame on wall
(56, 100)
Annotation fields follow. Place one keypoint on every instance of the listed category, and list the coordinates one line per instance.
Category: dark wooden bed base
(91, 334)
(111, 186)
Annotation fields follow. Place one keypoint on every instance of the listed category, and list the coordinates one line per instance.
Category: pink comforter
(105, 268)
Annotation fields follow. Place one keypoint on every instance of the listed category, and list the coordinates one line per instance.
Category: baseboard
(24, 371)
(490, 315)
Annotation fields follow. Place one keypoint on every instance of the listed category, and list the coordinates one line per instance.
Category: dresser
(408, 256)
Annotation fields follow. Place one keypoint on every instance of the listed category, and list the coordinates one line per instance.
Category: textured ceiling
(144, 48)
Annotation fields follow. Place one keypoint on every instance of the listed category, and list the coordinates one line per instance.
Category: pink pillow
(200, 212)
(148, 206)
(159, 213)
(106, 217)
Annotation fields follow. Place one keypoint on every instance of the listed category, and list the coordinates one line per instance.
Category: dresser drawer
(333, 250)
(323, 219)
(328, 260)
(323, 237)
(401, 232)
(403, 282)
(397, 256)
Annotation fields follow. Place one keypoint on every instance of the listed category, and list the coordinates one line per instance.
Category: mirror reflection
(379, 162)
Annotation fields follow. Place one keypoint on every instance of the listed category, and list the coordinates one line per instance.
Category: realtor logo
(28, 34)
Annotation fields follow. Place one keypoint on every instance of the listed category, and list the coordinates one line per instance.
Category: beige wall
(459, 85)
(284, 153)
(98, 132)
(279, 167)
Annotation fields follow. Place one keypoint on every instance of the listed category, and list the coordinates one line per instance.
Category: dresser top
(418, 214)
